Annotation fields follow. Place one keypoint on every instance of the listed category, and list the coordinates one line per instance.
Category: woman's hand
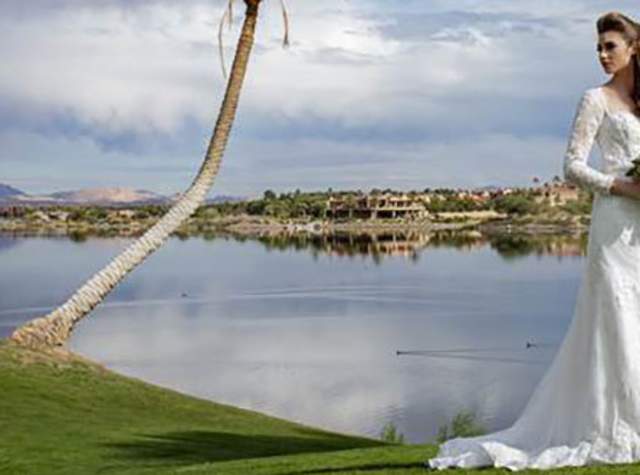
(629, 187)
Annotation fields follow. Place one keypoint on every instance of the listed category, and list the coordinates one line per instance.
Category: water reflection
(502, 356)
(6, 244)
(316, 339)
(379, 244)
(333, 368)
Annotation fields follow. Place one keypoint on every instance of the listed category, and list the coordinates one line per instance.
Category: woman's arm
(624, 186)
(586, 123)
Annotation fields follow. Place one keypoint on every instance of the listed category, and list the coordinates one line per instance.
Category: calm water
(309, 329)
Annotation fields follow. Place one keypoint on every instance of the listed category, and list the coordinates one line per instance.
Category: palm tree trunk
(55, 328)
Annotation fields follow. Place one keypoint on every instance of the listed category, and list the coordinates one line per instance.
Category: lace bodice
(617, 134)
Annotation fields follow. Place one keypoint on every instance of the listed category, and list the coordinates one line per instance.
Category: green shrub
(389, 433)
(577, 206)
(515, 204)
(462, 425)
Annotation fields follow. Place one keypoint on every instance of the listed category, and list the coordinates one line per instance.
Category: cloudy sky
(372, 93)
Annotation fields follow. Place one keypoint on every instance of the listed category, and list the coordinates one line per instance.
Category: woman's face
(614, 52)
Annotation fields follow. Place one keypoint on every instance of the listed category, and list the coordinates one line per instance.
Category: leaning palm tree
(55, 328)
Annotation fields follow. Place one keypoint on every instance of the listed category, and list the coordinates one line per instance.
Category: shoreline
(122, 424)
(256, 226)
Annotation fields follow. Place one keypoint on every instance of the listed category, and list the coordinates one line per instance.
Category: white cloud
(141, 70)
(149, 68)
(44, 164)
(374, 74)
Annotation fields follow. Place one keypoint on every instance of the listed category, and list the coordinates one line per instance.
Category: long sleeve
(586, 123)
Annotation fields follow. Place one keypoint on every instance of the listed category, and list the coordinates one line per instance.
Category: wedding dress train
(586, 408)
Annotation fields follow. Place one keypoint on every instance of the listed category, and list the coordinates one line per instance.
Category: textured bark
(55, 328)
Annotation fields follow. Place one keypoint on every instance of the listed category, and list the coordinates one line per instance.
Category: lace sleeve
(585, 126)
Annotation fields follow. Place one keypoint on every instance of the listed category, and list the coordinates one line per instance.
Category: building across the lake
(376, 206)
(558, 193)
(9, 211)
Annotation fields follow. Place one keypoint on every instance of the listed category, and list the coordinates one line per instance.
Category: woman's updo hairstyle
(630, 31)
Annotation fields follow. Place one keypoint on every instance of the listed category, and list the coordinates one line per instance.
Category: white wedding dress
(586, 408)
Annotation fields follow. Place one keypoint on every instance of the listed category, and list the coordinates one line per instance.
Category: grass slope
(60, 413)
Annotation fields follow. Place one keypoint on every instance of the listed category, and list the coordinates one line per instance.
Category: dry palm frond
(285, 17)
(228, 15)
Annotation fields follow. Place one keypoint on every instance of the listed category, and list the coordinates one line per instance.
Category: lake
(309, 328)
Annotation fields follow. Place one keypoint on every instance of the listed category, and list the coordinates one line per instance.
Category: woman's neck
(623, 80)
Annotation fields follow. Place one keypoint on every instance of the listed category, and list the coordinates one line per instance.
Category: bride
(586, 408)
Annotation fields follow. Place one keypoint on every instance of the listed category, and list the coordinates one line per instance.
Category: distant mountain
(89, 196)
(224, 199)
(6, 190)
(113, 196)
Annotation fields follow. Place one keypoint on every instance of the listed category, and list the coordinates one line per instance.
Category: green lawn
(62, 414)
